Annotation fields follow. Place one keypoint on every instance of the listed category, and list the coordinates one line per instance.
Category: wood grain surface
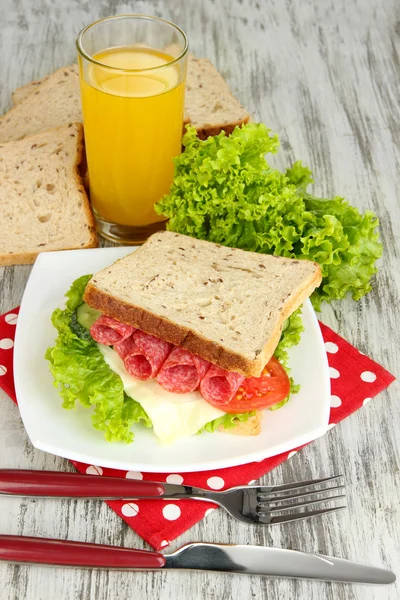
(324, 74)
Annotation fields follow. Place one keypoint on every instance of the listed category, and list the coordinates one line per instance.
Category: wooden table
(323, 74)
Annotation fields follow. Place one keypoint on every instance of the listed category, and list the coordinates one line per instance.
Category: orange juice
(133, 128)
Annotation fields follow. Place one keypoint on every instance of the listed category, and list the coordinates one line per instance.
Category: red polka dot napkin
(355, 379)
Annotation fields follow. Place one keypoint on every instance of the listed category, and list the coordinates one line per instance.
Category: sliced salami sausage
(125, 347)
(108, 331)
(182, 371)
(146, 356)
(219, 386)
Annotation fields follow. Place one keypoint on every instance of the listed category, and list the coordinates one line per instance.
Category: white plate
(70, 433)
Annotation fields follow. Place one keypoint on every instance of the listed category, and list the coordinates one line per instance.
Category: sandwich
(181, 335)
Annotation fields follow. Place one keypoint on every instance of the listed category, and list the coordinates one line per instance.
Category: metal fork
(251, 504)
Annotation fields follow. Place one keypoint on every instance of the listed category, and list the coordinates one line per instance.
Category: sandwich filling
(147, 357)
(128, 376)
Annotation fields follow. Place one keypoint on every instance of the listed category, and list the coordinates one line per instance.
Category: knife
(229, 558)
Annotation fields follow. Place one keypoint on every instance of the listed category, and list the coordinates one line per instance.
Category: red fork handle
(56, 484)
(15, 548)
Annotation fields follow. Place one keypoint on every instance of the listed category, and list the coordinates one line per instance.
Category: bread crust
(193, 342)
(250, 427)
(204, 132)
(27, 258)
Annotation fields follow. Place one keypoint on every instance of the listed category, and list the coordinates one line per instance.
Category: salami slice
(182, 371)
(108, 331)
(125, 347)
(146, 356)
(219, 386)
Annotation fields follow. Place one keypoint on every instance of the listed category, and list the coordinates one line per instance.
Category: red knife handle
(56, 484)
(15, 548)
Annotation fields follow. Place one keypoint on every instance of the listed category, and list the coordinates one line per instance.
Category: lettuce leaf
(227, 421)
(81, 374)
(225, 191)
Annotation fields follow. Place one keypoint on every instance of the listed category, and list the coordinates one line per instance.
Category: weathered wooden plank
(324, 75)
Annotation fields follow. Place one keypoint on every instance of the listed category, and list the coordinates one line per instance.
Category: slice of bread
(42, 105)
(210, 106)
(43, 204)
(225, 305)
(250, 427)
(23, 92)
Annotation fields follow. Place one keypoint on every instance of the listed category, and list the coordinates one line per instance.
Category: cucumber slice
(285, 324)
(82, 319)
(81, 332)
(86, 316)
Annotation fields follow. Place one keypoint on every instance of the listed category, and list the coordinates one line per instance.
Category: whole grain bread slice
(45, 104)
(223, 304)
(210, 106)
(43, 204)
(250, 427)
(24, 91)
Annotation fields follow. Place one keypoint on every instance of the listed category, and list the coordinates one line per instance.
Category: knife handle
(15, 548)
(56, 484)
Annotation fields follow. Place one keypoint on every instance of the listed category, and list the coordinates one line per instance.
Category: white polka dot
(209, 511)
(331, 425)
(292, 453)
(11, 319)
(335, 401)
(164, 543)
(134, 475)
(215, 483)
(93, 470)
(178, 479)
(3, 370)
(171, 512)
(130, 509)
(366, 400)
(333, 373)
(367, 376)
(331, 347)
(6, 344)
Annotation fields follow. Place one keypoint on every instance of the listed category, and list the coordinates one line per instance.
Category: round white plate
(70, 433)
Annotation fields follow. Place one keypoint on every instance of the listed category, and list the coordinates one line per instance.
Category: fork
(250, 504)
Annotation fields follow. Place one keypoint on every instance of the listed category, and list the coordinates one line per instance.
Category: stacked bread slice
(43, 202)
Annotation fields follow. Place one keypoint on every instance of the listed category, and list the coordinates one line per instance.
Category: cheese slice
(174, 416)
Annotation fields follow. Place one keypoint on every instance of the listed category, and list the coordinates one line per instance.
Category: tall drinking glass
(132, 73)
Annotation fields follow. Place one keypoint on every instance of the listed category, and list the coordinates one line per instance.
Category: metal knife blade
(274, 562)
(253, 560)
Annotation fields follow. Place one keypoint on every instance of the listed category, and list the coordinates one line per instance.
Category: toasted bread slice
(45, 104)
(225, 305)
(43, 204)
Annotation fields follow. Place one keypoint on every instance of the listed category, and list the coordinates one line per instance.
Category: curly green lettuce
(225, 191)
(81, 374)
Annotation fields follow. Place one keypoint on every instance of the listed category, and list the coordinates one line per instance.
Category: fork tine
(304, 515)
(298, 504)
(297, 485)
(267, 499)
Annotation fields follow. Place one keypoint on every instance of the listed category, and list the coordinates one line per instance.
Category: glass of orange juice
(133, 75)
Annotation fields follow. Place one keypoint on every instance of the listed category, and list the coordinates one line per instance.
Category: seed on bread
(49, 211)
(192, 315)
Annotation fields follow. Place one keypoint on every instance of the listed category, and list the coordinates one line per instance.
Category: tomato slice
(257, 393)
